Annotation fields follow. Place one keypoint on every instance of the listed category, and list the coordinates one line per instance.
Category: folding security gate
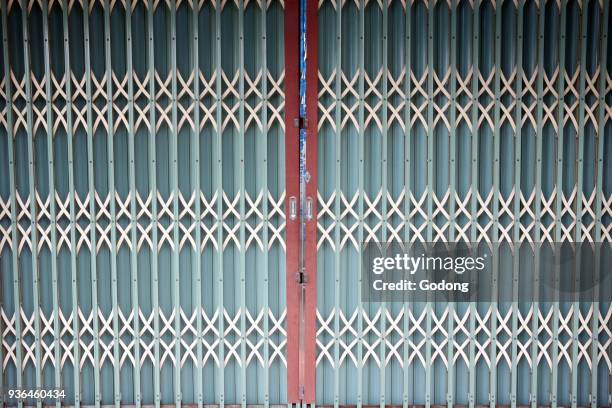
(465, 121)
(185, 187)
(142, 201)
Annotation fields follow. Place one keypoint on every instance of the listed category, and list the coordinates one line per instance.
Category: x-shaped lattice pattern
(397, 220)
(212, 335)
(207, 101)
(402, 333)
(420, 99)
(210, 219)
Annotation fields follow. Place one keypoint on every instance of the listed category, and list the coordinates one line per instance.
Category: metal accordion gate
(186, 185)
(142, 201)
(477, 121)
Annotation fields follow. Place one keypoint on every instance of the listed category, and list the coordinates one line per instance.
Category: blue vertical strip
(303, 59)
(303, 180)
(303, 54)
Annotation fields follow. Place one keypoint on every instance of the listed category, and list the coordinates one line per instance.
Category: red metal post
(312, 89)
(292, 182)
(292, 186)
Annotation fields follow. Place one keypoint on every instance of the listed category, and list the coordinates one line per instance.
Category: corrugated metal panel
(142, 186)
(461, 121)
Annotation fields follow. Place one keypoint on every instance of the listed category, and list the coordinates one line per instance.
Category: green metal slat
(538, 207)
(2, 283)
(9, 137)
(133, 210)
(113, 192)
(579, 195)
(453, 123)
(7, 106)
(11, 175)
(430, 133)
(239, 173)
(559, 195)
(218, 182)
(262, 174)
(517, 202)
(32, 193)
(603, 68)
(175, 191)
(474, 194)
(92, 207)
(195, 176)
(361, 192)
(52, 214)
(282, 184)
(407, 374)
(430, 191)
(450, 378)
(496, 195)
(2, 308)
(73, 252)
(338, 192)
(383, 199)
(153, 192)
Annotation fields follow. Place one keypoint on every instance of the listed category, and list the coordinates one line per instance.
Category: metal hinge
(300, 123)
(300, 277)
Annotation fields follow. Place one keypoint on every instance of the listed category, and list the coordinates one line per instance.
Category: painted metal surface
(461, 121)
(148, 159)
(142, 221)
(292, 201)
